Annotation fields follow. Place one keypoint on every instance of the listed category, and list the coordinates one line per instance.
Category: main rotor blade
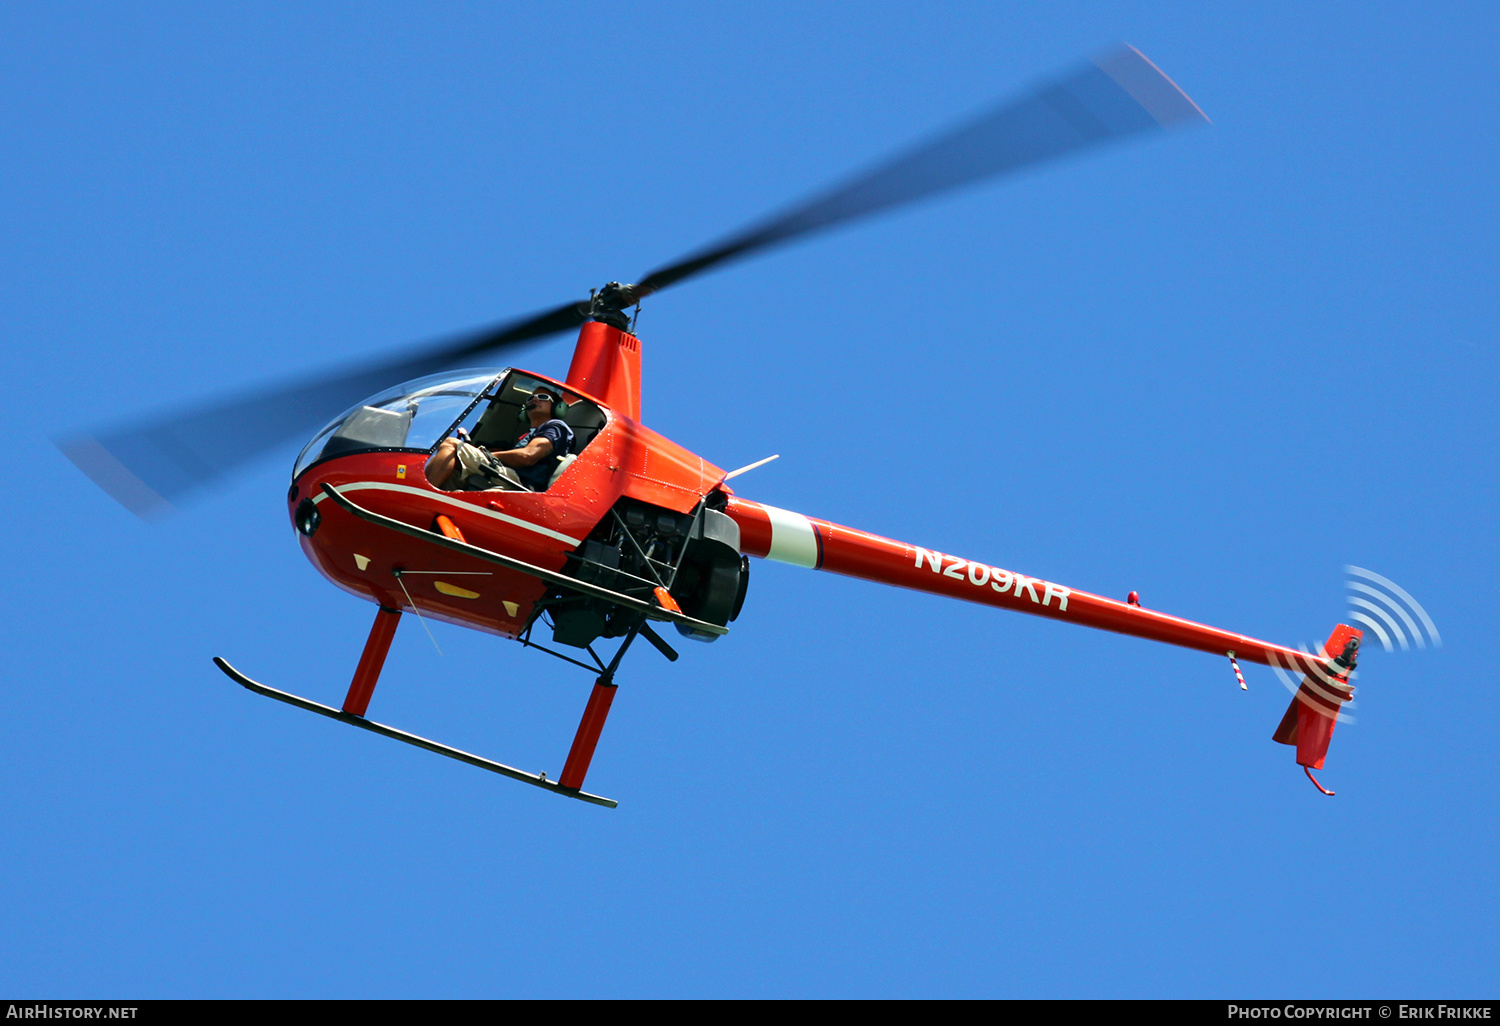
(1119, 94)
(148, 466)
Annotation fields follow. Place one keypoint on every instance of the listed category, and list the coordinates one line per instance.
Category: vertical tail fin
(1310, 719)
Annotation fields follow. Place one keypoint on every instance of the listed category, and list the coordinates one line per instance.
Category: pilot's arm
(536, 450)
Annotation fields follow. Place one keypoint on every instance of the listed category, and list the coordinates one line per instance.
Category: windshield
(413, 415)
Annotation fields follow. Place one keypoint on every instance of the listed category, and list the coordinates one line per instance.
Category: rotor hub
(609, 304)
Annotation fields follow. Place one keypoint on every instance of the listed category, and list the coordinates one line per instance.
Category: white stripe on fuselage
(793, 539)
(386, 486)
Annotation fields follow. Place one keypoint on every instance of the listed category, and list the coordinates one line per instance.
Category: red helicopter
(626, 528)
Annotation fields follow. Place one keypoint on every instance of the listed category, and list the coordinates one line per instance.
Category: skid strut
(535, 779)
(587, 738)
(594, 714)
(371, 661)
(363, 686)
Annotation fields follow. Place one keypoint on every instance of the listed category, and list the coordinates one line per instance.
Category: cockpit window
(498, 422)
(417, 415)
(413, 415)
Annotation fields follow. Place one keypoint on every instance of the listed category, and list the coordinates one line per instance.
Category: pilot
(530, 463)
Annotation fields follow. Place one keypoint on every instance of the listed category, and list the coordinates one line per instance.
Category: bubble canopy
(414, 415)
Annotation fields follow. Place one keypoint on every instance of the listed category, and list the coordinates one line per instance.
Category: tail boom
(771, 533)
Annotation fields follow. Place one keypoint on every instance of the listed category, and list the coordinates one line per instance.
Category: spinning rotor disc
(149, 466)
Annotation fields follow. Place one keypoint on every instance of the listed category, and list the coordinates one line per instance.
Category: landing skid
(536, 780)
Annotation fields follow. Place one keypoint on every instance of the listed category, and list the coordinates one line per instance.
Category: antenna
(757, 463)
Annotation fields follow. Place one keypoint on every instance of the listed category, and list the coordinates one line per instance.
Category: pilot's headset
(558, 406)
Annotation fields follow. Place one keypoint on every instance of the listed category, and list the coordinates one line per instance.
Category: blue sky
(1214, 366)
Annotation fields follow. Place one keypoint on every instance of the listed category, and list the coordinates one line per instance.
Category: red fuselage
(627, 459)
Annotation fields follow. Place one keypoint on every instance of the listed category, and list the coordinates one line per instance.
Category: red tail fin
(1310, 719)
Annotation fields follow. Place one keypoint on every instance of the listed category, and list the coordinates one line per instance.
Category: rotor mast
(607, 359)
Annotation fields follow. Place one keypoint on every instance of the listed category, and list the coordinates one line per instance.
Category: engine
(639, 547)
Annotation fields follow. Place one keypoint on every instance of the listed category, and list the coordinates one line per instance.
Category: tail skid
(535, 779)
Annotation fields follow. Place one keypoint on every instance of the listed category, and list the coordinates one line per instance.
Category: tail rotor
(1389, 611)
(1310, 719)
(1318, 699)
